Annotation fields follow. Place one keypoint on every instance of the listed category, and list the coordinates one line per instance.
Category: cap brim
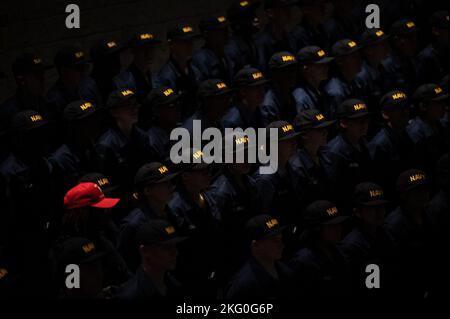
(169, 100)
(377, 41)
(290, 136)
(174, 241)
(199, 166)
(275, 232)
(418, 185)
(284, 66)
(378, 202)
(106, 203)
(405, 32)
(440, 98)
(166, 178)
(95, 257)
(36, 126)
(223, 92)
(336, 220)
(324, 60)
(358, 115)
(323, 124)
(351, 51)
(257, 83)
(186, 37)
(116, 105)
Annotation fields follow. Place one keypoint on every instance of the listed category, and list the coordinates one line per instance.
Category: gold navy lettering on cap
(241, 140)
(398, 95)
(287, 128)
(126, 92)
(3, 273)
(221, 86)
(351, 44)
(438, 90)
(243, 3)
(288, 58)
(187, 29)
(103, 181)
(37, 61)
(111, 44)
(320, 117)
(36, 118)
(146, 36)
(332, 211)
(416, 177)
(86, 106)
(379, 33)
(272, 223)
(168, 92)
(169, 230)
(359, 106)
(163, 169)
(376, 193)
(221, 19)
(79, 54)
(87, 248)
(321, 53)
(410, 24)
(197, 154)
(257, 75)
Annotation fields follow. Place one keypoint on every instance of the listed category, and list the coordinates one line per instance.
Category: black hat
(344, 47)
(372, 36)
(78, 110)
(368, 194)
(27, 120)
(439, 19)
(162, 96)
(70, 57)
(322, 212)
(105, 48)
(143, 38)
(28, 63)
(282, 59)
(182, 32)
(285, 130)
(241, 9)
(402, 27)
(263, 226)
(213, 23)
(77, 250)
(118, 97)
(152, 173)
(279, 3)
(313, 54)
(192, 160)
(394, 100)
(352, 109)
(249, 77)
(159, 232)
(213, 87)
(429, 92)
(411, 179)
(241, 142)
(101, 180)
(311, 119)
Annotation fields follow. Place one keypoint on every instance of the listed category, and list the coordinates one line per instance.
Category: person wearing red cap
(86, 215)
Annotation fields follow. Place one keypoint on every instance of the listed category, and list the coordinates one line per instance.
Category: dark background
(39, 25)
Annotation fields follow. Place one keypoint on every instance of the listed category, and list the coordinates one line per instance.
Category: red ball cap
(88, 194)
